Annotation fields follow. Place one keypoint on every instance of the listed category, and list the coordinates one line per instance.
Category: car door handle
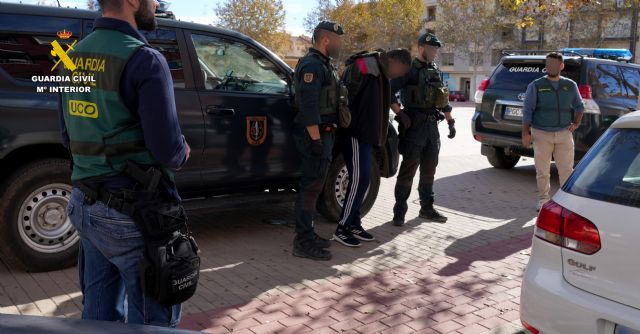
(220, 111)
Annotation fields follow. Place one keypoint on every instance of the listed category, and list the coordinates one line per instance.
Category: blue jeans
(111, 247)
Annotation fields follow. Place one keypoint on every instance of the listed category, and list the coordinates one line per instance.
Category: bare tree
(472, 29)
(93, 5)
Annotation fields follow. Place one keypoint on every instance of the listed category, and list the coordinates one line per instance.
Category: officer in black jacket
(366, 77)
(317, 94)
(425, 99)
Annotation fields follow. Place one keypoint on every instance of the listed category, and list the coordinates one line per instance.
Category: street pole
(634, 31)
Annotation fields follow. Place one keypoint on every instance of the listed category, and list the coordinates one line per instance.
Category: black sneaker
(321, 242)
(433, 215)
(346, 238)
(361, 234)
(307, 248)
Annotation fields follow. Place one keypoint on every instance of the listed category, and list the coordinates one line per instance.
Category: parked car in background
(609, 89)
(583, 276)
(457, 96)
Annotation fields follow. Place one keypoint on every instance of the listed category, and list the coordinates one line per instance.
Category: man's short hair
(555, 55)
(318, 34)
(110, 4)
(400, 54)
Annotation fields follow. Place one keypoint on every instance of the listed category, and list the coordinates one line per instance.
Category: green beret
(429, 39)
(330, 26)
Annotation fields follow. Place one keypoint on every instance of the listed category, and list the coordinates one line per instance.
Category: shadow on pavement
(491, 196)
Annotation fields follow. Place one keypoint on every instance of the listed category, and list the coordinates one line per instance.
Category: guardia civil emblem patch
(308, 77)
(256, 130)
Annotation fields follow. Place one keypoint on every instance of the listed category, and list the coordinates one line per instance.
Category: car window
(631, 80)
(25, 43)
(234, 66)
(606, 82)
(38, 24)
(517, 76)
(610, 172)
(166, 42)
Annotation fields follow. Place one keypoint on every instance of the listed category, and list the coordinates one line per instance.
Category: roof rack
(539, 52)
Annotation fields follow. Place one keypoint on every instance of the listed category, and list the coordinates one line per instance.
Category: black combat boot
(305, 246)
(401, 207)
(320, 241)
(427, 211)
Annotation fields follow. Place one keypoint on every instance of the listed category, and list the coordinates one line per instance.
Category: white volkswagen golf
(584, 273)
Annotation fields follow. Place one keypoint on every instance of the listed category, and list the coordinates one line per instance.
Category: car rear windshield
(610, 172)
(517, 76)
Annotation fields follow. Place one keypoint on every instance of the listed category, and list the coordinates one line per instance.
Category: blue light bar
(615, 54)
(164, 5)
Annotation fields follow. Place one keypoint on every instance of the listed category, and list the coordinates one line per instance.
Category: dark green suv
(609, 89)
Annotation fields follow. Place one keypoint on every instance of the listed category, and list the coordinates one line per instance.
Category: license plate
(514, 113)
(625, 330)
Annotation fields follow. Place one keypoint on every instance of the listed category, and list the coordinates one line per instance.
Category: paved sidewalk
(461, 277)
(469, 292)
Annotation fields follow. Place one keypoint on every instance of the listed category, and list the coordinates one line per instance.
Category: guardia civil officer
(317, 94)
(553, 110)
(425, 99)
(133, 118)
(366, 77)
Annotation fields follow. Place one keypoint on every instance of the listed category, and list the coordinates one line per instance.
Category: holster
(170, 269)
(158, 218)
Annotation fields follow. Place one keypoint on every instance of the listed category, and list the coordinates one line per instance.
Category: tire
(332, 197)
(500, 160)
(35, 233)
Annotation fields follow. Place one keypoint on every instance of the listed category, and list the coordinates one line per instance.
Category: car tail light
(483, 85)
(585, 92)
(480, 91)
(530, 328)
(478, 138)
(564, 228)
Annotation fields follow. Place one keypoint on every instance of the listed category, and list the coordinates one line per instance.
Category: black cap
(429, 39)
(330, 26)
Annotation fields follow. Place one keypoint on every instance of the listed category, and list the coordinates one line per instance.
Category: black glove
(452, 128)
(403, 119)
(316, 148)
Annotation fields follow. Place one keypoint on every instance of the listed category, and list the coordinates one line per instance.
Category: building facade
(614, 25)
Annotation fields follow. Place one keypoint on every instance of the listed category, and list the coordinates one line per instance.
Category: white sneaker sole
(363, 239)
(344, 243)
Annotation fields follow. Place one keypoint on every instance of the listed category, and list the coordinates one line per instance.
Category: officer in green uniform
(128, 115)
(425, 99)
(317, 94)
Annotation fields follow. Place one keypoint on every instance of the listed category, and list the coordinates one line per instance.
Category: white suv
(584, 273)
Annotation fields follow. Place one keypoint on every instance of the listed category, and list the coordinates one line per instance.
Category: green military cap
(330, 26)
(429, 39)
